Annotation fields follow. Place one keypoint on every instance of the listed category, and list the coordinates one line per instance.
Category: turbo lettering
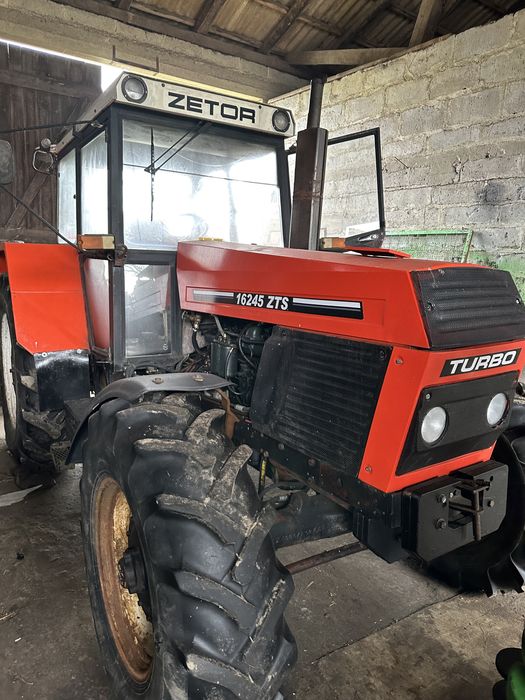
(478, 363)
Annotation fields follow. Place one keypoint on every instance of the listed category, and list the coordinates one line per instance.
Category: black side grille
(464, 306)
(317, 394)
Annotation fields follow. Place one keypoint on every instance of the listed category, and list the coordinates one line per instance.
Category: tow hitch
(446, 513)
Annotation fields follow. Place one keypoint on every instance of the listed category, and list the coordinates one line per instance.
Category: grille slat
(326, 398)
(464, 306)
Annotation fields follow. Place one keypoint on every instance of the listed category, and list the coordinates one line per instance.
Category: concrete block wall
(452, 120)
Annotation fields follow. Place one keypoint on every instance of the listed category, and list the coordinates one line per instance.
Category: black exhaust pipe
(310, 164)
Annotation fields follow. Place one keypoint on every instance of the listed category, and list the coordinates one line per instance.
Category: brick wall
(452, 120)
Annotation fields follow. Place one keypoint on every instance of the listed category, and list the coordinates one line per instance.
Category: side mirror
(43, 157)
(7, 163)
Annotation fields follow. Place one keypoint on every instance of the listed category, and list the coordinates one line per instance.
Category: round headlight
(281, 120)
(134, 89)
(433, 425)
(496, 408)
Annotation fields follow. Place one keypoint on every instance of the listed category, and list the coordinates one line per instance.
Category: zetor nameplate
(477, 363)
(279, 302)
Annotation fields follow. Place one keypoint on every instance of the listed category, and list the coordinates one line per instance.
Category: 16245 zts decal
(279, 302)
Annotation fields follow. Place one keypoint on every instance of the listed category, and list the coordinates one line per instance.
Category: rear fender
(47, 297)
(49, 319)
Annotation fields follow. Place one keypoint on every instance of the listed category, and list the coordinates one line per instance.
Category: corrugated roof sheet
(281, 27)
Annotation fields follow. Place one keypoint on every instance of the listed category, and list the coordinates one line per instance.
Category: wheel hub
(131, 571)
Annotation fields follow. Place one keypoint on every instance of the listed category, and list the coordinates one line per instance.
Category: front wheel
(186, 591)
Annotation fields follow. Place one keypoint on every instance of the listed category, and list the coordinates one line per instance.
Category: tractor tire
(497, 563)
(186, 591)
(29, 432)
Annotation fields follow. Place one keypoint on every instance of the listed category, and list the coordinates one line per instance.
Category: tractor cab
(157, 164)
(374, 391)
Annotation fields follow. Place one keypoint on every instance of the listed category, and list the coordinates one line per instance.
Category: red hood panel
(327, 288)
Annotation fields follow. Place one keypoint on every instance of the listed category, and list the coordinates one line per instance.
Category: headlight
(281, 120)
(433, 425)
(134, 89)
(496, 408)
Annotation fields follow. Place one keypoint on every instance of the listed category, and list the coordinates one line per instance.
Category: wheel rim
(7, 371)
(130, 628)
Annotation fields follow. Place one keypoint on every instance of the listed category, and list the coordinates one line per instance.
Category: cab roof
(185, 101)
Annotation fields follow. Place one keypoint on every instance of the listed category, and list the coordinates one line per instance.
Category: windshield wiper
(182, 142)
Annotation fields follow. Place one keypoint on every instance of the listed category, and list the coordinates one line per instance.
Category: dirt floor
(366, 630)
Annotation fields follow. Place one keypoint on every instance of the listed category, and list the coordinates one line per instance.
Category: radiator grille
(323, 396)
(465, 306)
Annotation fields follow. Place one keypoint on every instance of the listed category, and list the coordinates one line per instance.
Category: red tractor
(230, 389)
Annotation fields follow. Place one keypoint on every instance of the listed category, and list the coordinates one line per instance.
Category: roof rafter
(493, 6)
(342, 57)
(442, 28)
(284, 24)
(352, 34)
(427, 19)
(208, 13)
(305, 17)
(150, 23)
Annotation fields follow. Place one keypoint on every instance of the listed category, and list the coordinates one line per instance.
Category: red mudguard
(46, 292)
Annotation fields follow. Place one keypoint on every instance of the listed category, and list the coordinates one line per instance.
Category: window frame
(76, 195)
(100, 132)
(375, 133)
(123, 112)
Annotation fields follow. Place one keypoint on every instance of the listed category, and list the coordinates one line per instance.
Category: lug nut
(491, 503)
(441, 524)
(442, 499)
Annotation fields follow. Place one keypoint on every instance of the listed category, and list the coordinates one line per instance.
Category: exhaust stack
(310, 166)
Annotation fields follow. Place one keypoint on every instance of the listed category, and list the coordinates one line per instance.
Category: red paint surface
(391, 316)
(46, 291)
(383, 285)
(405, 379)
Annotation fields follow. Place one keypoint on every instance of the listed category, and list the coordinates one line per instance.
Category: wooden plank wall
(37, 88)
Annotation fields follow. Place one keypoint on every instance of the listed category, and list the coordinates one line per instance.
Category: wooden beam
(159, 26)
(45, 84)
(284, 24)
(208, 13)
(341, 57)
(426, 21)
(353, 32)
(276, 5)
(19, 212)
(305, 17)
(123, 4)
(39, 179)
(31, 235)
(493, 6)
(412, 16)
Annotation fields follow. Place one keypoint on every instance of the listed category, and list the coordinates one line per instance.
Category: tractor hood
(378, 297)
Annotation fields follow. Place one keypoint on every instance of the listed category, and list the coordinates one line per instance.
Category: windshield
(188, 183)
